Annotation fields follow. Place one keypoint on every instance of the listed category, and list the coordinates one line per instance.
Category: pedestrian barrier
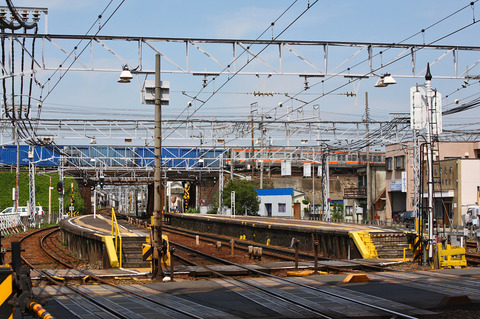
(451, 256)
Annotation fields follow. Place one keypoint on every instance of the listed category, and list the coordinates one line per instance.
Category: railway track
(88, 298)
(302, 298)
(82, 297)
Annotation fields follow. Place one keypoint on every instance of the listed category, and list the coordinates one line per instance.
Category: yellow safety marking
(111, 251)
(58, 278)
(356, 278)
(6, 292)
(455, 256)
(364, 243)
(147, 252)
(303, 273)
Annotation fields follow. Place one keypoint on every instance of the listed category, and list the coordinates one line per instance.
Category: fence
(11, 223)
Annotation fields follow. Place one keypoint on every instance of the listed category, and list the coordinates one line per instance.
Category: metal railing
(118, 237)
(11, 223)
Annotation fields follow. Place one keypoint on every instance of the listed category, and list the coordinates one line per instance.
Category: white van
(23, 211)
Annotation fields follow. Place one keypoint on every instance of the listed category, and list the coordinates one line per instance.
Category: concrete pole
(313, 183)
(50, 201)
(17, 169)
(95, 202)
(428, 85)
(253, 149)
(157, 193)
(369, 179)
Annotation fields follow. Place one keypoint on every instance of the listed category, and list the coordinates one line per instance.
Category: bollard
(232, 246)
(257, 253)
(172, 251)
(197, 240)
(315, 267)
(296, 253)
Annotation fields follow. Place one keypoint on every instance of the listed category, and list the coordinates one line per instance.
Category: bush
(192, 210)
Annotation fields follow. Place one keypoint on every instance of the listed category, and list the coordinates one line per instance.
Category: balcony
(355, 192)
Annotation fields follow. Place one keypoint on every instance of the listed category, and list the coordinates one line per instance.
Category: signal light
(60, 187)
(101, 181)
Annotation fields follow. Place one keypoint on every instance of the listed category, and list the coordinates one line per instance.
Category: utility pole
(157, 193)
(262, 151)
(31, 186)
(253, 149)
(428, 86)
(369, 179)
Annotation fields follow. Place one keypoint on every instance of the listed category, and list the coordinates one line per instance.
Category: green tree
(246, 198)
(337, 209)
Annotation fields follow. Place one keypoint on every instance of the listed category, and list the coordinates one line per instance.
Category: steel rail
(291, 282)
(267, 250)
(52, 280)
(91, 275)
(264, 290)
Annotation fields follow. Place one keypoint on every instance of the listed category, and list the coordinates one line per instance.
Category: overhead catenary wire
(387, 64)
(77, 56)
(249, 61)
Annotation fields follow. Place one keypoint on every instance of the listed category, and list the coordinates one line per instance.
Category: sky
(98, 95)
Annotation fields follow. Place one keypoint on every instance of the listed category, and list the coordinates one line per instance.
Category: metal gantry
(228, 56)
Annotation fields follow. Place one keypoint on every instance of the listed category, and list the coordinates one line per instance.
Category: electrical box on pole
(149, 96)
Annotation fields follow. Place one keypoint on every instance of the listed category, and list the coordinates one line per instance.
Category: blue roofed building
(281, 202)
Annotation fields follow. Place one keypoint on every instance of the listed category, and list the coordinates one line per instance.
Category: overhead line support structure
(366, 50)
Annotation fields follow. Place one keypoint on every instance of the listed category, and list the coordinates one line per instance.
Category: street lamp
(385, 80)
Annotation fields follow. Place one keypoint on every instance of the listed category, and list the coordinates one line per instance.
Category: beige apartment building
(456, 172)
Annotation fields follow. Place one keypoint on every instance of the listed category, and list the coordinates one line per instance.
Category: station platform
(336, 240)
(89, 235)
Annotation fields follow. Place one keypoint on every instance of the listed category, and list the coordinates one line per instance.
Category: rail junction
(280, 284)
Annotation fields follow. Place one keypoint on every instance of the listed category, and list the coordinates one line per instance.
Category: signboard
(404, 182)
(307, 169)
(286, 168)
(396, 186)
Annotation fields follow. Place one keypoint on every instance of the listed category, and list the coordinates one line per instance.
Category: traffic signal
(101, 181)
(60, 187)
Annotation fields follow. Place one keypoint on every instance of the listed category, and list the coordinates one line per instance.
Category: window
(282, 207)
(400, 162)
(388, 164)
(348, 210)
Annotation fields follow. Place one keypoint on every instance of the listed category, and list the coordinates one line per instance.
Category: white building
(281, 202)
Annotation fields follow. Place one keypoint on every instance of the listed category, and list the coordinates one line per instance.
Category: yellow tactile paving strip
(124, 232)
(309, 224)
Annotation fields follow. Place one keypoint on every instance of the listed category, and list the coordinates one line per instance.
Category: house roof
(274, 191)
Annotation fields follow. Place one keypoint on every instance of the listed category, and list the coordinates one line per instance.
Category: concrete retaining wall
(334, 244)
(85, 244)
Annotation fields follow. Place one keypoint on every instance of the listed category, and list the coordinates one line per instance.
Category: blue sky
(97, 95)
